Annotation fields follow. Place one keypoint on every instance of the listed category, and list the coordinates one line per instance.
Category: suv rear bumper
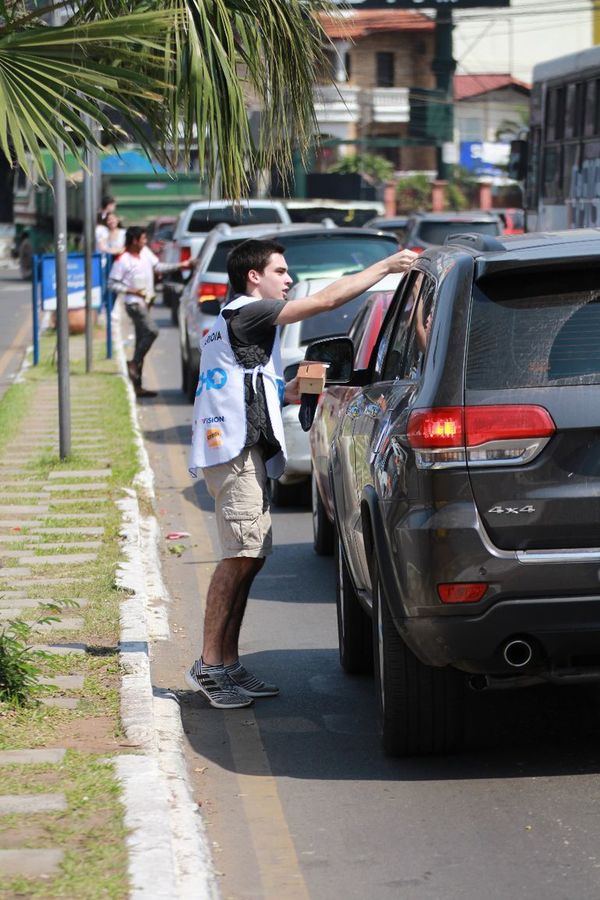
(562, 632)
(556, 607)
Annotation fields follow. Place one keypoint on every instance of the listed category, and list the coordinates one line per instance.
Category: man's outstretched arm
(344, 289)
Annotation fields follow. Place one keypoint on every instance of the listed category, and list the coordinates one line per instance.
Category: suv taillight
(185, 253)
(211, 290)
(480, 435)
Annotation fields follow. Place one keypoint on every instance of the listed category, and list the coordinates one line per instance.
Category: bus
(560, 160)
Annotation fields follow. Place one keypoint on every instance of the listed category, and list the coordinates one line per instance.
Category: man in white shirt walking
(132, 275)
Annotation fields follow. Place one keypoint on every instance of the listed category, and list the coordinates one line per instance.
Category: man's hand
(292, 391)
(400, 262)
(188, 264)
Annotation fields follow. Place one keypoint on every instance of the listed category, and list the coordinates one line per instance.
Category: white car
(294, 340)
(194, 224)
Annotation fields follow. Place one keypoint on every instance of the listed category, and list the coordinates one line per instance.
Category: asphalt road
(15, 324)
(298, 799)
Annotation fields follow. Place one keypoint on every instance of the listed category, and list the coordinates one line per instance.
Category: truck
(141, 197)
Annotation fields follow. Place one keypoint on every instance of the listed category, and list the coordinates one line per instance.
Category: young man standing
(238, 443)
(132, 274)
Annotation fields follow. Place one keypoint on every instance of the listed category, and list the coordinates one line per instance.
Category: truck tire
(26, 259)
(421, 708)
(354, 628)
(323, 529)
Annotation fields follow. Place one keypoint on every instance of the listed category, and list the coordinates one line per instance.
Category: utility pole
(88, 243)
(443, 67)
(62, 307)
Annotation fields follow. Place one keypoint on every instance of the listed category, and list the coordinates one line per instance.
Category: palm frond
(179, 72)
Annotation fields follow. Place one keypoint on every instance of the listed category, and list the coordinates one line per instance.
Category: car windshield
(437, 232)
(535, 330)
(206, 219)
(331, 255)
(319, 256)
(328, 324)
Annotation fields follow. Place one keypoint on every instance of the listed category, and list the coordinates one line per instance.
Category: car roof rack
(475, 241)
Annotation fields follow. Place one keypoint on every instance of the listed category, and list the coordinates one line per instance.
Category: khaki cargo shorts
(239, 489)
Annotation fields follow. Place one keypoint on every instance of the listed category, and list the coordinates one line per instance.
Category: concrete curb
(169, 853)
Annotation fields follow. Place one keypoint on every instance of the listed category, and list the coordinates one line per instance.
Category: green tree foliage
(376, 168)
(413, 193)
(177, 72)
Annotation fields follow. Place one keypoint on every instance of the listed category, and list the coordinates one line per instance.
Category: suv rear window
(218, 261)
(206, 219)
(437, 232)
(336, 321)
(535, 330)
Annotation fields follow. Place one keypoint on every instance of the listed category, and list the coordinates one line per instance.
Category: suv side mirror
(338, 353)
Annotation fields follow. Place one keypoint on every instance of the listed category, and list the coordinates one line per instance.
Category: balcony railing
(385, 105)
(336, 105)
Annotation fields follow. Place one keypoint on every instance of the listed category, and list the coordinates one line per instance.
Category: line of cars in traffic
(315, 252)
(453, 461)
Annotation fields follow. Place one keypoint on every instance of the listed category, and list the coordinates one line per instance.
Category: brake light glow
(185, 253)
(209, 290)
(416, 249)
(479, 435)
(462, 592)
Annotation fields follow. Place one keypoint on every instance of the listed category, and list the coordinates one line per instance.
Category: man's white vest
(219, 422)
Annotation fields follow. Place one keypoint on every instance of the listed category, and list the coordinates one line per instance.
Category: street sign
(421, 4)
(485, 158)
(75, 281)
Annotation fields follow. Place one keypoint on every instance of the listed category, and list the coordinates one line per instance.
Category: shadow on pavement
(323, 726)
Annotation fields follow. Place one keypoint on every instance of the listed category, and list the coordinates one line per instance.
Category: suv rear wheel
(420, 707)
(354, 629)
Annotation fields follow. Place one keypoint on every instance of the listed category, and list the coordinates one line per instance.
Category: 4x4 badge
(511, 510)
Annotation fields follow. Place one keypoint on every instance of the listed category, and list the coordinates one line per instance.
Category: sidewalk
(94, 799)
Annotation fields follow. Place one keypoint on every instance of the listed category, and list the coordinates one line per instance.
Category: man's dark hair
(246, 256)
(107, 199)
(133, 233)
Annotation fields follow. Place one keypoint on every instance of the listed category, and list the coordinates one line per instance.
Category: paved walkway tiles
(7, 553)
(30, 863)
(32, 803)
(60, 702)
(64, 682)
(61, 649)
(68, 624)
(81, 473)
(43, 579)
(80, 486)
(35, 757)
(7, 602)
(76, 529)
(71, 559)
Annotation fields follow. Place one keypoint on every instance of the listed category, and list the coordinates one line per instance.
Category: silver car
(206, 290)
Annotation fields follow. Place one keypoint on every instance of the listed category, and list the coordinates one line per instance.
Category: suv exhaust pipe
(518, 653)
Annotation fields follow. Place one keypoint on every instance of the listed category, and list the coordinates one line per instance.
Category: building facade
(377, 57)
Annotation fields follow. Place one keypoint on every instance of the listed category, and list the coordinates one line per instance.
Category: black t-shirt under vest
(251, 334)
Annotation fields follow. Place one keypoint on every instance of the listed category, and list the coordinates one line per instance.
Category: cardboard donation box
(311, 377)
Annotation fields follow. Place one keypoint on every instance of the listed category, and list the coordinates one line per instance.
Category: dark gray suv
(466, 481)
